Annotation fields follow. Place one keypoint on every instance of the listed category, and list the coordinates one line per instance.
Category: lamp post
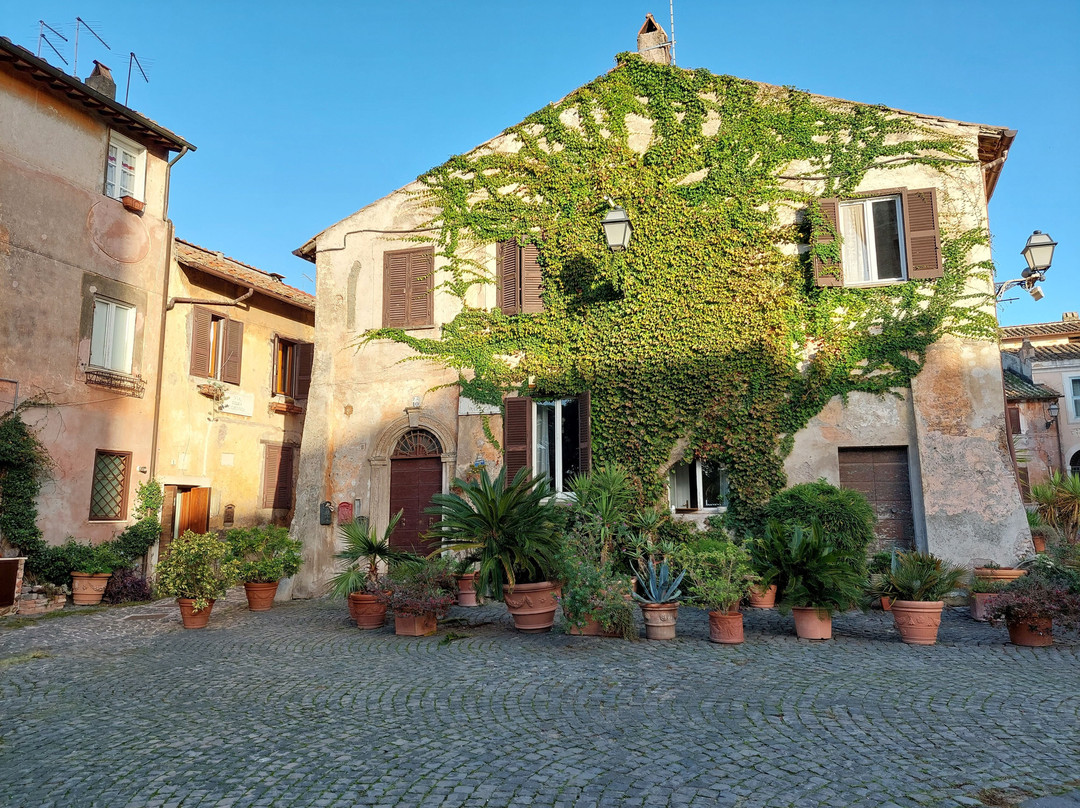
(1038, 253)
(1052, 410)
(617, 229)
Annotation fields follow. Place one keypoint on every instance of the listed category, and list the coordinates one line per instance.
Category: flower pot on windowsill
(133, 204)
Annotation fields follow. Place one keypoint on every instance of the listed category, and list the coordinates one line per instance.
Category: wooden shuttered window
(305, 356)
(828, 274)
(232, 351)
(217, 346)
(923, 239)
(1014, 420)
(408, 286)
(518, 442)
(292, 367)
(200, 341)
(519, 279)
(277, 489)
(585, 432)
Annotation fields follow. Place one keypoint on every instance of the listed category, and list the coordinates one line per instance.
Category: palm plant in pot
(767, 553)
(513, 529)
(418, 594)
(818, 579)
(917, 583)
(265, 555)
(196, 571)
(1030, 607)
(721, 574)
(363, 554)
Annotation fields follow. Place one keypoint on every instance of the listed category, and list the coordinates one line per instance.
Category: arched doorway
(415, 475)
(1074, 464)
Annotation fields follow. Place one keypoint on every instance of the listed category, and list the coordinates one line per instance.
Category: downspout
(168, 180)
(174, 300)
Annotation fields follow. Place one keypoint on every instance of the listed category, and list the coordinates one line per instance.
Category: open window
(217, 346)
(553, 438)
(292, 367)
(885, 237)
(699, 485)
(125, 169)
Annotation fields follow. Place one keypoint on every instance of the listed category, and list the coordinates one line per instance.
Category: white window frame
(107, 361)
(539, 459)
(1074, 397)
(871, 245)
(697, 480)
(114, 188)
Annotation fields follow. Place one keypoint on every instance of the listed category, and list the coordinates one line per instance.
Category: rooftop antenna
(42, 25)
(135, 59)
(79, 21)
(671, 8)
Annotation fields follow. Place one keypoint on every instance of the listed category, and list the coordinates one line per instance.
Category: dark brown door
(194, 511)
(881, 473)
(413, 481)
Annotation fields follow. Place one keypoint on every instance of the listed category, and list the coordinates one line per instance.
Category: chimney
(1069, 317)
(1027, 356)
(652, 42)
(101, 80)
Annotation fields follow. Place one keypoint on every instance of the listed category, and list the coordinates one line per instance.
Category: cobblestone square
(296, 707)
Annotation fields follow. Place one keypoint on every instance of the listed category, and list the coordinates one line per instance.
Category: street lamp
(617, 229)
(1039, 253)
(1052, 410)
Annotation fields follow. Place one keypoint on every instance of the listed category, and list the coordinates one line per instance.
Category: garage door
(881, 473)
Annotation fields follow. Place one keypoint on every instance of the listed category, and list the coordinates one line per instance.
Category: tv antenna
(671, 9)
(79, 21)
(138, 64)
(42, 25)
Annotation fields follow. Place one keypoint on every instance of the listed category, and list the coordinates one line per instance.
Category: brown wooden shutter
(508, 272)
(234, 350)
(395, 289)
(585, 432)
(200, 341)
(923, 240)
(828, 274)
(517, 434)
(421, 287)
(1014, 420)
(305, 355)
(531, 280)
(277, 476)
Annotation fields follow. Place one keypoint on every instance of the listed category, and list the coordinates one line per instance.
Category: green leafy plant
(24, 464)
(921, 577)
(816, 573)
(424, 587)
(657, 583)
(1058, 502)
(605, 501)
(1048, 591)
(197, 566)
(720, 575)
(93, 559)
(768, 552)
(845, 515)
(511, 526)
(265, 553)
(363, 551)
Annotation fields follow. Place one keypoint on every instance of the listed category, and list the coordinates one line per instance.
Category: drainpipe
(168, 179)
(161, 349)
(174, 300)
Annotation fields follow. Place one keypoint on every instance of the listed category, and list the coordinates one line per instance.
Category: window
(408, 285)
(552, 438)
(108, 492)
(113, 337)
(518, 278)
(1074, 398)
(217, 345)
(1013, 416)
(125, 168)
(292, 367)
(697, 485)
(885, 237)
(278, 465)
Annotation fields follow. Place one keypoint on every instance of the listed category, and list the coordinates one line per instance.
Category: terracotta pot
(366, 610)
(192, 618)
(466, 586)
(659, 620)
(917, 621)
(1039, 542)
(415, 625)
(88, 588)
(726, 628)
(993, 574)
(1036, 633)
(812, 623)
(980, 603)
(592, 628)
(886, 603)
(260, 596)
(763, 599)
(532, 606)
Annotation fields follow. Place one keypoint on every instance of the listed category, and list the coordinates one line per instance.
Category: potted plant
(464, 570)
(595, 599)
(1032, 605)
(818, 579)
(514, 531)
(196, 570)
(918, 583)
(766, 556)
(94, 567)
(981, 594)
(358, 579)
(878, 569)
(658, 598)
(418, 594)
(721, 574)
(992, 571)
(265, 554)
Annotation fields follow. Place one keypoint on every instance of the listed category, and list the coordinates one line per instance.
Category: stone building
(387, 423)
(85, 246)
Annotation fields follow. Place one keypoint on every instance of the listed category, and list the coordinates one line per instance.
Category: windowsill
(285, 408)
(874, 284)
(717, 509)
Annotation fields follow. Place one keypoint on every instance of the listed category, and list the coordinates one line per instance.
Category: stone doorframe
(379, 507)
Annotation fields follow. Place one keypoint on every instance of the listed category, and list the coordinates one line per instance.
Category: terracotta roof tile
(1017, 388)
(215, 263)
(1009, 332)
(1054, 353)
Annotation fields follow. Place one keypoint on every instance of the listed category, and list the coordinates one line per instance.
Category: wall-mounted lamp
(1039, 254)
(617, 228)
(1052, 411)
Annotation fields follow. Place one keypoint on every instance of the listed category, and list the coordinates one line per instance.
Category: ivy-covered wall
(708, 336)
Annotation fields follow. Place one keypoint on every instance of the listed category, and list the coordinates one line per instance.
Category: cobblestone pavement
(296, 707)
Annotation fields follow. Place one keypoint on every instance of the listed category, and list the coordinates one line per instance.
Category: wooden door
(881, 473)
(168, 520)
(413, 481)
(194, 511)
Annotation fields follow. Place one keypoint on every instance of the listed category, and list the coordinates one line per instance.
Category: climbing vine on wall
(708, 328)
(24, 462)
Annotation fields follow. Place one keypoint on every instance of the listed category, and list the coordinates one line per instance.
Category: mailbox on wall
(344, 512)
(326, 513)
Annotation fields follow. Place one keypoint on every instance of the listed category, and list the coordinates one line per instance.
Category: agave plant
(362, 553)
(657, 584)
(511, 527)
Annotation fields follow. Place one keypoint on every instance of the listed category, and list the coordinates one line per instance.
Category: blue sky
(305, 112)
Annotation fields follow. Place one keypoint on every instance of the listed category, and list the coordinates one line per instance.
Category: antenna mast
(134, 58)
(671, 8)
(79, 21)
(42, 25)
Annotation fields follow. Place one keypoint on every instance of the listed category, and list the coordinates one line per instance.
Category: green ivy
(706, 328)
(24, 463)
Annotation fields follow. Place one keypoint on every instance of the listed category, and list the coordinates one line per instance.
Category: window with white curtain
(113, 338)
(125, 168)
(872, 231)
